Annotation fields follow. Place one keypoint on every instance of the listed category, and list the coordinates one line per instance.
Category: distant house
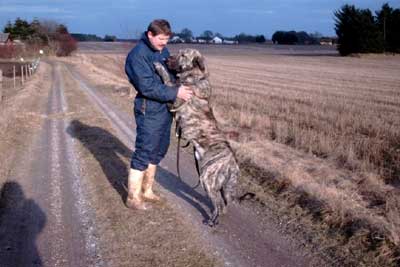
(216, 40)
(192, 40)
(229, 41)
(5, 39)
(176, 39)
(201, 41)
(326, 41)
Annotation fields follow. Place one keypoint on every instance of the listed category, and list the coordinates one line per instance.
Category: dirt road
(62, 202)
(46, 220)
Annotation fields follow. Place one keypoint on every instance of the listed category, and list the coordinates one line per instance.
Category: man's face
(158, 41)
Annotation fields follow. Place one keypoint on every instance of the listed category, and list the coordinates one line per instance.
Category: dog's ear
(200, 62)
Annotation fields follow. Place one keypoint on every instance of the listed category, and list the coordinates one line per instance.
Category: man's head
(158, 33)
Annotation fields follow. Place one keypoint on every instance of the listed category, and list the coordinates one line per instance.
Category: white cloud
(31, 9)
(251, 11)
(324, 12)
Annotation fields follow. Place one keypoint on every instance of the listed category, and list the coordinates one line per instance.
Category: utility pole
(1, 85)
(14, 75)
(384, 33)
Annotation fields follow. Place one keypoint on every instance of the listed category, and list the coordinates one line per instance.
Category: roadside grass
(20, 118)
(320, 135)
(343, 114)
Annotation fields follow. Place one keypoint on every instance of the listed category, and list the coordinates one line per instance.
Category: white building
(326, 41)
(5, 39)
(192, 40)
(216, 40)
(176, 39)
(229, 41)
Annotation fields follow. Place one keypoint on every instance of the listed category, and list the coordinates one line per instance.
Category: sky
(128, 18)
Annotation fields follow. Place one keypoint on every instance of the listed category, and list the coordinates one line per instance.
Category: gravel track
(241, 239)
(46, 218)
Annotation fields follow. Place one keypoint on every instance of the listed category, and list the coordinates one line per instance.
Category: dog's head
(187, 60)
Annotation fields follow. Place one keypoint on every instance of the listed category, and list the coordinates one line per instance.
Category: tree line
(188, 36)
(42, 34)
(360, 31)
(293, 37)
(82, 37)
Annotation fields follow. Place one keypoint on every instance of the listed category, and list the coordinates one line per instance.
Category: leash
(197, 168)
(178, 133)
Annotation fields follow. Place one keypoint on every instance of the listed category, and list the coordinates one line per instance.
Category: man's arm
(143, 78)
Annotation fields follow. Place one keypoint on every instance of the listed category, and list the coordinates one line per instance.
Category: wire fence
(14, 75)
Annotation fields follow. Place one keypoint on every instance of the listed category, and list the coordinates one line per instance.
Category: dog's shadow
(108, 150)
(173, 184)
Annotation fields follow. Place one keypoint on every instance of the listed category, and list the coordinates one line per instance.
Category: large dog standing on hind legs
(219, 171)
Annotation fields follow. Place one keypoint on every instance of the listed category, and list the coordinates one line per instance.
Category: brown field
(319, 136)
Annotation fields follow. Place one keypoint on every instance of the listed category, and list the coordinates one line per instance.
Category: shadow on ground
(108, 149)
(21, 220)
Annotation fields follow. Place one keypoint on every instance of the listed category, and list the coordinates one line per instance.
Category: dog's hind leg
(219, 206)
(229, 190)
(224, 202)
(217, 202)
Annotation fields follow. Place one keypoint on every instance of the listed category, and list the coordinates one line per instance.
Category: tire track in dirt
(71, 210)
(55, 229)
(240, 239)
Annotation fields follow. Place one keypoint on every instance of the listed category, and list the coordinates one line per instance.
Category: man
(153, 120)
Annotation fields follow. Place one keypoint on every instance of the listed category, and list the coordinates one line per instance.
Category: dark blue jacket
(142, 75)
(153, 120)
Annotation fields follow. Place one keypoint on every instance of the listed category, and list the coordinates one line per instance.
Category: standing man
(153, 120)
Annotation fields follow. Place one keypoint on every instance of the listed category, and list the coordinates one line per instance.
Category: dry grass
(319, 133)
(343, 114)
(346, 109)
(20, 117)
(101, 68)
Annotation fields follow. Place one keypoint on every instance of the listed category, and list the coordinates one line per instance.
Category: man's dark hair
(159, 26)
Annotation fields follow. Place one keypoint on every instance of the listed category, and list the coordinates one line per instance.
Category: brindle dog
(219, 171)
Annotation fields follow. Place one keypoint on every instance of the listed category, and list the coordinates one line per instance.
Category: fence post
(1, 85)
(26, 72)
(14, 75)
(22, 74)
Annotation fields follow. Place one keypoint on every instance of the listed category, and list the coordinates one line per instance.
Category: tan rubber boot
(148, 182)
(134, 199)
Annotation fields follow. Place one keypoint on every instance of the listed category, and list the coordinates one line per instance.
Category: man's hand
(184, 92)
